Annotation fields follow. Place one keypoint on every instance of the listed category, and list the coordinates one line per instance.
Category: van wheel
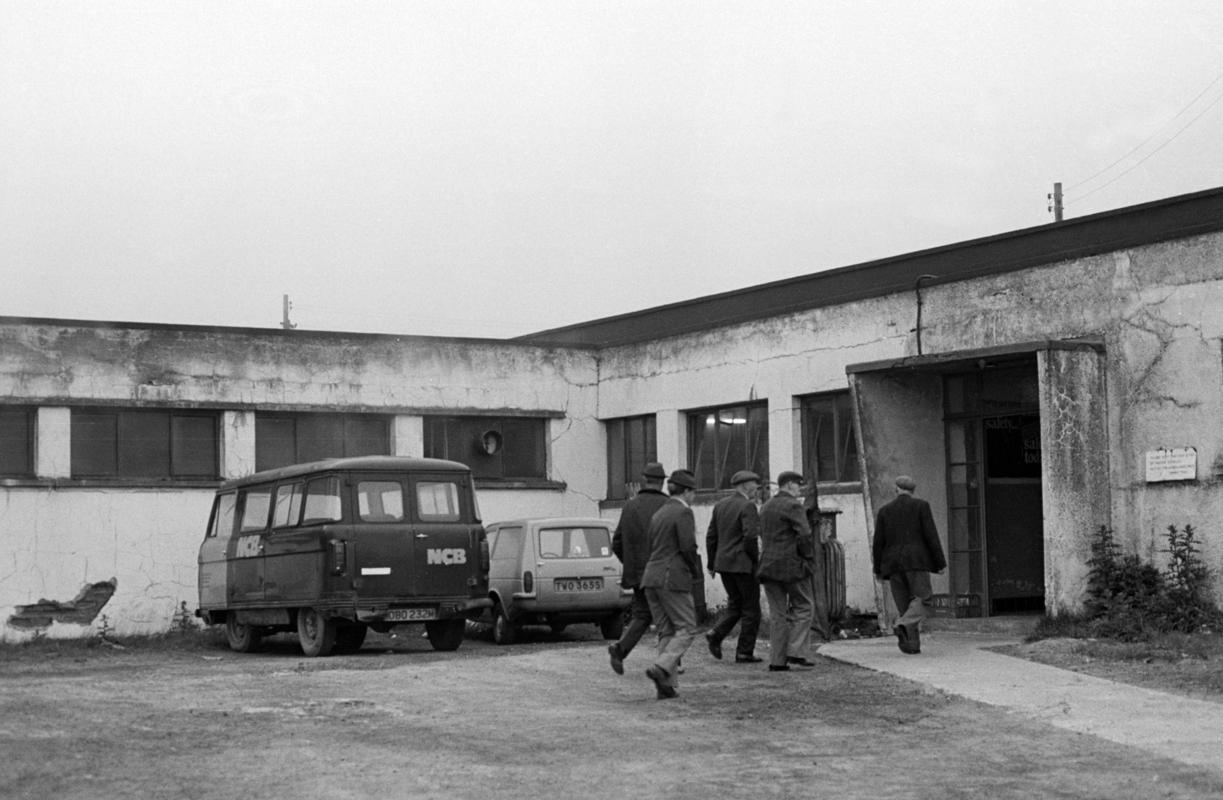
(349, 638)
(241, 637)
(315, 632)
(503, 630)
(612, 627)
(446, 634)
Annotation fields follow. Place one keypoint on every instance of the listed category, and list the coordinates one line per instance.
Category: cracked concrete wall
(56, 535)
(1158, 309)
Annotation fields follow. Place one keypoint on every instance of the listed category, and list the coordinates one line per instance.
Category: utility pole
(1055, 202)
(284, 323)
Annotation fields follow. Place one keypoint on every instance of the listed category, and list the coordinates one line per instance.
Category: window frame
(27, 418)
(624, 462)
(755, 413)
(131, 438)
(270, 446)
(845, 459)
(462, 438)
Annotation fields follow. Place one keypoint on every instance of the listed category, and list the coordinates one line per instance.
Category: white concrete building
(1039, 384)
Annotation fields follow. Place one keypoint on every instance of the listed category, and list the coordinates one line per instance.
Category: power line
(1150, 138)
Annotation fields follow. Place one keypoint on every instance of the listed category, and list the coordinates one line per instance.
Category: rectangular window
(437, 502)
(223, 515)
(17, 442)
(830, 450)
(631, 444)
(322, 501)
(288, 505)
(574, 543)
(513, 448)
(380, 501)
(177, 445)
(722, 441)
(283, 439)
(256, 503)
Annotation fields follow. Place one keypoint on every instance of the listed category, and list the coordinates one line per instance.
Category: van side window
(223, 516)
(288, 505)
(322, 500)
(255, 507)
(380, 501)
(437, 501)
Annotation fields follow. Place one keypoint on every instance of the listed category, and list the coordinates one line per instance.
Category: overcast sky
(495, 168)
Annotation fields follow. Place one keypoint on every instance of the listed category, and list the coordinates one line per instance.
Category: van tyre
(349, 638)
(315, 632)
(446, 634)
(612, 627)
(242, 638)
(504, 631)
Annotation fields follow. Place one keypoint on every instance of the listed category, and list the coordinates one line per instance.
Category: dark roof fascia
(957, 358)
(365, 463)
(1147, 223)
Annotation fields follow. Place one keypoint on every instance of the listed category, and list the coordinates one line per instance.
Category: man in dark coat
(905, 551)
(732, 547)
(632, 547)
(787, 561)
(667, 580)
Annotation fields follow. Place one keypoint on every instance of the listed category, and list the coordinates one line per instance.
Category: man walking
(732, 545)
(787, 561)
(667, 580)
(632, 547)
(905, 551)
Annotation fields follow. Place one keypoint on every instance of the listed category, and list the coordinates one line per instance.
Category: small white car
(554, 572)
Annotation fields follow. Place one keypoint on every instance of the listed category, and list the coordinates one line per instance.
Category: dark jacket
(630, 542)
(732, 543)
(673, 563)
(906, 539)
(787, 547)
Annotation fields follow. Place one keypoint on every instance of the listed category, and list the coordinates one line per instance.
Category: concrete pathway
(1179, 728)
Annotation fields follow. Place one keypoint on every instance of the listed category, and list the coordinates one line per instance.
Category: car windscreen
(574, 543)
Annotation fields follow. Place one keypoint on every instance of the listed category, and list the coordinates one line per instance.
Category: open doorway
(995, 520)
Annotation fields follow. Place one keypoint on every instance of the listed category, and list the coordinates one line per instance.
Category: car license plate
(578, 584)
(411, 614)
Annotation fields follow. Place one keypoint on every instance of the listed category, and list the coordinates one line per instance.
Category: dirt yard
(546, 718)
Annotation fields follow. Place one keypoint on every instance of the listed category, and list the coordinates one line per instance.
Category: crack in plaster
(1162, 330)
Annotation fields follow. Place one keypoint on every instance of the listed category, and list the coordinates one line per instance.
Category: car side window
(256, 504)
(288, 505)
(322, 501)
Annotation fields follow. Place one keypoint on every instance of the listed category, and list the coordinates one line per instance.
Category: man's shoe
(748, 659)
(659, 676)
(715, 646)
(617, 660)
(914, 635)
(902, 638)
(779, 667)
(801, 662)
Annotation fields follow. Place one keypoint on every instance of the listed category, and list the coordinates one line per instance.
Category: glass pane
(275, 442)
(380, 501)
(320, 436)
(617, 459)
(1009, 389)
(322, 500)
(367, 436)
(94, 444)
(288, 505)
(958, 524)
(958, 487)
(957, 452)
(574, 543)
(16, 437)
(255, 509)
(702, 438)
(144, 444)
(193, 446)
(437, 502)
(223, 516)
(524, 448)
(961, 393)
(847, 458)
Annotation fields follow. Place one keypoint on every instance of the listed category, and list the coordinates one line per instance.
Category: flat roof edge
(931, 360)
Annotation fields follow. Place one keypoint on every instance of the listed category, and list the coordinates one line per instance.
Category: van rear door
(446, 556)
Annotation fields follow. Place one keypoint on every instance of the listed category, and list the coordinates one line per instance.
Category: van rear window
(380, 501)
(437, 501)
(574, 543)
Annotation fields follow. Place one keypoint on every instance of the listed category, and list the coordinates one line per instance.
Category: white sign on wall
(1172, 464)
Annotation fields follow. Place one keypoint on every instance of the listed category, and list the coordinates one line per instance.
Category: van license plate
(411, 614)
(579, 584)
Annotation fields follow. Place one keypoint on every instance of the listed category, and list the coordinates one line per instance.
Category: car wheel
(503, 630)
(349, 638)
(612, 627)
(241, 637)
(315, 632)
(446, 634)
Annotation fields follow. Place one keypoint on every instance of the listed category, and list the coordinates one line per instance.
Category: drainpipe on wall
(917, 291)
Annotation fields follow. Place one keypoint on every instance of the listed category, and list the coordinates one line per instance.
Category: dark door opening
(995, 522)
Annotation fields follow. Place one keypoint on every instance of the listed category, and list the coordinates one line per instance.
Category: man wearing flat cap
(906, 549)
(668, 578)
(787, 562)
(733, 547)
(632, 547)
